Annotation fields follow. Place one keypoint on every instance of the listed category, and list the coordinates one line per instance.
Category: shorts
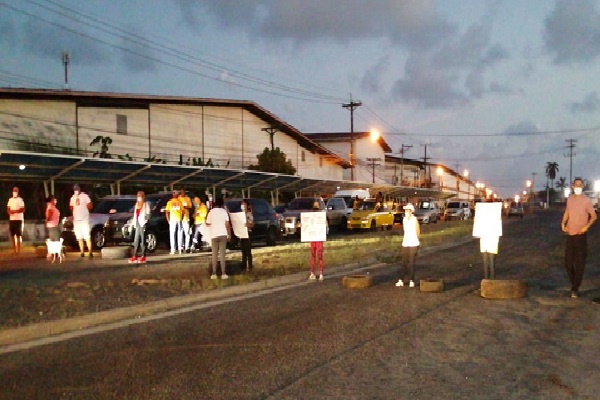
(15, 227)
(82, 230)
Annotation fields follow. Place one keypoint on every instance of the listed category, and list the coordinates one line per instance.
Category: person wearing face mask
(577, 219)
(141, 215)
(80, 205)
(16, 209)
(410, 245)
(52, 218)
(246, 243)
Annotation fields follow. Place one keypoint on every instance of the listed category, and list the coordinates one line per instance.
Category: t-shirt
(79, 204)
(52, 216)
(200, 214)
(410, 239)
(579, 209)
(216, 219)
(175, 209)
(186, 203)
(16, 203)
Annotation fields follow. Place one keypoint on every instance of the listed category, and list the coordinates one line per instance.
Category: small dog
(55, 249)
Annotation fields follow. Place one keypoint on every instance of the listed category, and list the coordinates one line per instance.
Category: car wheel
(98, 238)
(373, 226)
(272, 237)
(151, 242)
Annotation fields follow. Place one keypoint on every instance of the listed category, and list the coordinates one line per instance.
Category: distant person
(316, 253)
(16, 217)
(199, 216)
(52, 219)
(379, 198)
(186, 227)
(141, 215)
(410, 246)
(487, 226)
(218, 223)
(174, 215)
(246, 243)
(80, 205)
(577, 219)
(356, 203)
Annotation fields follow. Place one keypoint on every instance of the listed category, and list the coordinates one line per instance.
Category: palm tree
(551, 170)
(562, 185)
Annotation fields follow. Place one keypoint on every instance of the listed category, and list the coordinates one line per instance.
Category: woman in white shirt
(219, 227)
(410, 245)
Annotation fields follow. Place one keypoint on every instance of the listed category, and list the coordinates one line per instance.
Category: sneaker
(172, 252)
(213, 276)
(82, 255)
(142, 260)
(133, 260)
(574, 294)
(411, 284)
(91, 255)
(321, 277)
(224, 276)
(312, 276)
(400, 283)
(180, 251)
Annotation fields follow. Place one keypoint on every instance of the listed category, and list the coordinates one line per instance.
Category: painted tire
(357, 281)
(115, 252)
(431, 285)
(503, 289)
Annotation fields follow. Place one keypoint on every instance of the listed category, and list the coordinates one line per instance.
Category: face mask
(55, 202)
(140, 199)
(77, 193)
(15, 194)
(243, 207)
(578, 191)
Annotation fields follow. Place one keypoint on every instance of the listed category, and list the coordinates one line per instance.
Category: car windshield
(453, 205)
(367, 205)
(113, 206)
(425, 205)
(301, 204)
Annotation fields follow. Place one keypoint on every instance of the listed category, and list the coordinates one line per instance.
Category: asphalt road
(318, 340)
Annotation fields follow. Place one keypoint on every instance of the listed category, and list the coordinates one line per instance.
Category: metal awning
(53, 168)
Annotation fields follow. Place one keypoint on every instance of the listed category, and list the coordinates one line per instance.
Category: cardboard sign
(313, 226)
(238, 223)
(488, 219)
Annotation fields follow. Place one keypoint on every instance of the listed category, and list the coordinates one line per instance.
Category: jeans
(575, 257)
(176, 235)
(409, 256)
(139, 240)
(246, 247)
(219, 248)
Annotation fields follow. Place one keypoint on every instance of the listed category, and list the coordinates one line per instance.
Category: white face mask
(140, 199)
(15, 194)
(76, 192)
(578, 191)
(243, 207)
(55, 202)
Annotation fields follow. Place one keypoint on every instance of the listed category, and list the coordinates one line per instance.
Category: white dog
(55, 248)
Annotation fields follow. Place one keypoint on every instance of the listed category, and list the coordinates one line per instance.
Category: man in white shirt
(80, 205)
(16, 216)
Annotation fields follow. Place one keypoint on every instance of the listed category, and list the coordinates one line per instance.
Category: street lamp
(440, 172)
(375, 135)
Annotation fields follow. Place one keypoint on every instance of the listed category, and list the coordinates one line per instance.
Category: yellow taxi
(371, 215)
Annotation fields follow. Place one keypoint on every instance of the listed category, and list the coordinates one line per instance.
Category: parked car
(110, 206)
(515, 209)
(457, 210)
(371, 215)
(338, 211)
(266, 221)
(427, 211)
(291, 217)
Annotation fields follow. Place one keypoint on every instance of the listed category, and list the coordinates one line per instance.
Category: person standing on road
(577, 219)
(52, 218)
(217, 221)
(16, 217)
(487, 226)
(141, 215)
(174, 215)
(316, 253)
(200, 212)
(410, 245)
(186, 202)
(246, 243)
(80, 205)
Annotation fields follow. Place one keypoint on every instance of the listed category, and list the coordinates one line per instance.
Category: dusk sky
(495, 87)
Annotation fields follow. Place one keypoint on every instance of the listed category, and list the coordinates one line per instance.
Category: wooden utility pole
(352, 106)
(373, 162)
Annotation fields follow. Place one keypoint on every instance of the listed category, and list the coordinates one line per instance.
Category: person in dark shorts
(16, 209)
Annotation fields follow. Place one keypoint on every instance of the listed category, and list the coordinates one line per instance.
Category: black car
(266, 220)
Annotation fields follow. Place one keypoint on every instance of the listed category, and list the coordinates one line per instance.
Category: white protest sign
(313, 226)
(238, 223)
(488, 219)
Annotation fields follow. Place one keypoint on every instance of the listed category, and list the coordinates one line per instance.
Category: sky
(499, 88)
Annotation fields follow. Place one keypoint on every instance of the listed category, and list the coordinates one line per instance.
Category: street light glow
(375, 135)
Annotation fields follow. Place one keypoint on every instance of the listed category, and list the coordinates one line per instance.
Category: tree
(103, 141)
(273, 161)
(551, 170)
(562, 185)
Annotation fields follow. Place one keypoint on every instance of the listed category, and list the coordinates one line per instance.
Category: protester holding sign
(487, 226)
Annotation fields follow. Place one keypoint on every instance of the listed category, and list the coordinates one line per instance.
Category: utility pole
(570, 146)
(533, 174)
(373, 163)
(402, 150)
(66, 59)
(425, 164)
(352, 106)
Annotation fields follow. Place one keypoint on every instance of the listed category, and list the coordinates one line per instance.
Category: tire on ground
(431, 285)
(357, 281)
(503, 288)
(115, 252)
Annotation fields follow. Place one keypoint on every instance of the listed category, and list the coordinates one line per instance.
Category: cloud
(372, 80)
(523, 128)
(572, 32)
(590, 104)
(136, 57)
(8, 32)
(414, 24)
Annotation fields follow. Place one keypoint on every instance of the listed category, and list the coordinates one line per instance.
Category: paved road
(320, 341)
